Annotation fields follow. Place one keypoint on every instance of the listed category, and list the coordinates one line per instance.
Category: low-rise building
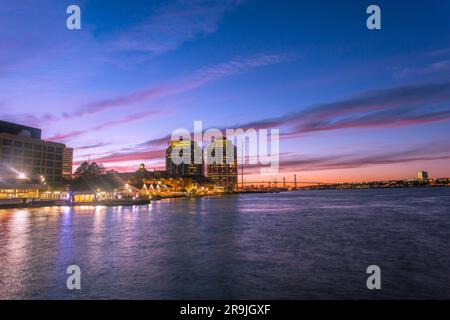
(25, 157)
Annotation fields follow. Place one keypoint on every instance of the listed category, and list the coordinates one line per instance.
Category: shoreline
(108, 203)
(117, 203)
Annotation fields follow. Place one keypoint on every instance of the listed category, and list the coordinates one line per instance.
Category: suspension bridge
(291, 182)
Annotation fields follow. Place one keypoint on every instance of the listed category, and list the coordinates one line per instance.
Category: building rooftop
(21, 130)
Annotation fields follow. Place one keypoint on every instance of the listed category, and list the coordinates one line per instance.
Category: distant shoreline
(364, 187)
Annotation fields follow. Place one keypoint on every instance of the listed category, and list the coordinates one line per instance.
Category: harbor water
(293, 245)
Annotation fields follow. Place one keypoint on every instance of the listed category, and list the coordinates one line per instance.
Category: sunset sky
(351, 104)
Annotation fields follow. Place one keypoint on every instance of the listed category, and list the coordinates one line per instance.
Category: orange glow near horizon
(396, 171)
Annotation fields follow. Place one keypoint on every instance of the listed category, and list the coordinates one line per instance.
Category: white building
(422, 175)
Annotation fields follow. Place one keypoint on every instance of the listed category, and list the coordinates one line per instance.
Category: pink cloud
(200, 78)
(128, 156)
(108, 124)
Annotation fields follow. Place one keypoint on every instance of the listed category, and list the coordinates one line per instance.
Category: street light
(21, 176)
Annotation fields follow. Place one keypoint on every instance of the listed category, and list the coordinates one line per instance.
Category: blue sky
(357, 104)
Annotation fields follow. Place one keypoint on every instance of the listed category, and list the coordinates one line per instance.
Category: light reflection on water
(17, 243)
(314, 244)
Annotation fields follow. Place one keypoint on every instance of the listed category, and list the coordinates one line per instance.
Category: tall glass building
(192, 155)
(221, 157)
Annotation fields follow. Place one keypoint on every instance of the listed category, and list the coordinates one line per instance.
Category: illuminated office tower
(422, 175)
(190, 150)
(222, 167)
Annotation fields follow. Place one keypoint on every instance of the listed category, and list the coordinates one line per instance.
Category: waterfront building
(67, 163)
(25, 157)
(222, 166)
(21, 191)
(138, 177)
(193, 167)
(100, 188)
(170, 185)
(422, 175)
(167, 185)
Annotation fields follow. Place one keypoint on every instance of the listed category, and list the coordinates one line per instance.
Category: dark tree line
(93, 176)
(87, 169)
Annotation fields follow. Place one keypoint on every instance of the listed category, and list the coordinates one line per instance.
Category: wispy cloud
(174, 24)
(431, 152)
(439, 52)
(93, 146)
(132, 118)
(199, 78)
(117, 157)
(428, 69)
(400, 106)
(437, 150)
(393, 107)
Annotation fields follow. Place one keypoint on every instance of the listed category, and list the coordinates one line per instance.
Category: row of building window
(221, 171)
(19, 152)
(46, 171)
(27, 145)
(35, 162)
